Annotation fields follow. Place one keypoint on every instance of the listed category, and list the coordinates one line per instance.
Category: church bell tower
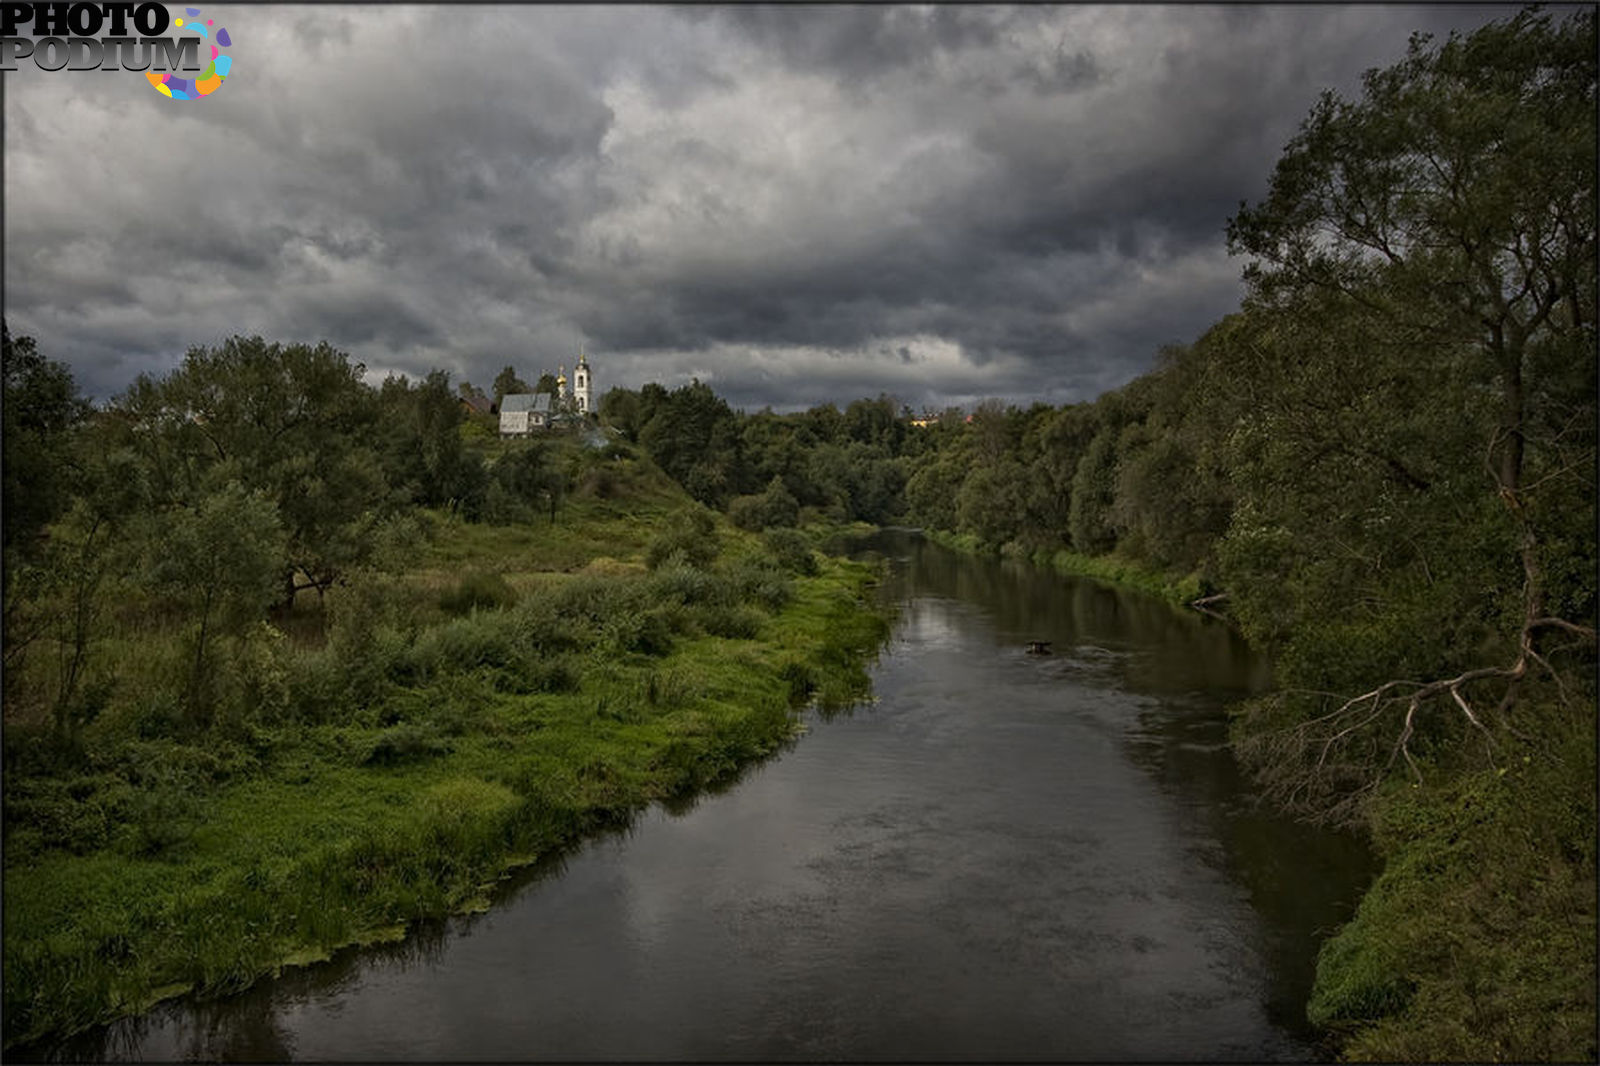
(580, 383)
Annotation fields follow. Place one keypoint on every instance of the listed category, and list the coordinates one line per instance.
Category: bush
(686, 585)
(691, 533)
(532, 674)
(738, 622)
(464, 644)
(591, 599)
(478, 589)
(318, 686)
(648, 632)
(404, 743)
(761, 583)
(791, 549)
(537, 627)
(256, 679)
(776, 506)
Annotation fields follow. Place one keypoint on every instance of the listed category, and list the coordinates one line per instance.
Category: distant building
(581, 385)
(574, 396)
(523, 412)
(477, 405)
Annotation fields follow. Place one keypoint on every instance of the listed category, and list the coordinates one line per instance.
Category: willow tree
(1451, 209)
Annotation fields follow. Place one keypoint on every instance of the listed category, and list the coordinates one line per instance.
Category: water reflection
(1165, 650)
(1302, 880)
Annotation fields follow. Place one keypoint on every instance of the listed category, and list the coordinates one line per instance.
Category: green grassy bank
(390, 753)
(1477, 941)
(1180, 589)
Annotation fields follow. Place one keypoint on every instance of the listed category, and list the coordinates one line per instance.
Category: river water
(1003, 857)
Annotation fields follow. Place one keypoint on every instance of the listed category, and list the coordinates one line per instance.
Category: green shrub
(737, 622)
(534, 674)
(404, 743)
(591, 599)
(464, 644)
(691, 533)
(478, 590)
(775, 506)
(688, 585)
(318, 686)
(647, 632)
(791, 549)
(256, 679)
(538, 627)
(756, 581)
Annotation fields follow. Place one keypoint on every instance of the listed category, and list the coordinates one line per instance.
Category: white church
(521, 413)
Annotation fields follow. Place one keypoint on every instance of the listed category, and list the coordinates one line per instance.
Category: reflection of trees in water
(1168, 649)
(1301, 880)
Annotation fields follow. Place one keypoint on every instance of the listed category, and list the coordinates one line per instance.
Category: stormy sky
(795, 204)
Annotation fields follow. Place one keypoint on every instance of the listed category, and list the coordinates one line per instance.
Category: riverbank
(1179, 589)
(408, 743)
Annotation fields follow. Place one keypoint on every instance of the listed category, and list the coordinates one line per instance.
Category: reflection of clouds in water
(929, 621)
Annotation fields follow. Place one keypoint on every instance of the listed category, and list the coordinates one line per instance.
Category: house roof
(480, 404)
(525, 401)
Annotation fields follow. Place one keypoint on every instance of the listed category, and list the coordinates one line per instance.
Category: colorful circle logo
(210, 79)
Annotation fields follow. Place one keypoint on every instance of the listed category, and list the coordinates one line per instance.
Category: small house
(523, 412)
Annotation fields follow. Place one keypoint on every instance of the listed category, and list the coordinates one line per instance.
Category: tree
(507, 382)
(423, 453)
(1093, 489)
(1456, 199)
(527, 473)
(295, 421)
(1449, 216)
(693, 435)
(621, 408)
(775, 507)
(41, 405)
(221, 560)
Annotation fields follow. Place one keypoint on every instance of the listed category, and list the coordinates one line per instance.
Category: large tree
(1433, 243)
(294, 421)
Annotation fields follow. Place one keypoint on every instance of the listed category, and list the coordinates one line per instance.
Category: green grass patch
(1477, 942)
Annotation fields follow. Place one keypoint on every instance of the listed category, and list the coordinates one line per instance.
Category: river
(1004, 856)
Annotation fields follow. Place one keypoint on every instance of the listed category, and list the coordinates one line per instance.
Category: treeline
(848, 466)
(1383, 467)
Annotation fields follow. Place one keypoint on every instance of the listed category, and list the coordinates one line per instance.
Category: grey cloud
(799, 204)
(862, 42)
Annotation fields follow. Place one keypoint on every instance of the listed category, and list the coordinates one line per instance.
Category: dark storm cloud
(865, 42)
(796, 204)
